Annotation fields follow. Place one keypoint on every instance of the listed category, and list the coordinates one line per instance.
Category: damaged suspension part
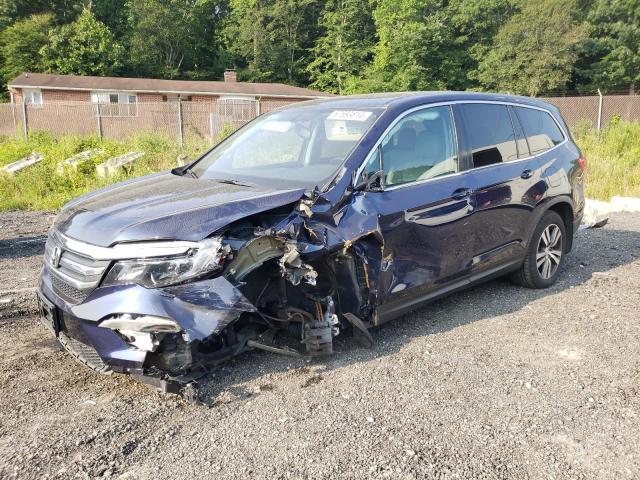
(317, 334)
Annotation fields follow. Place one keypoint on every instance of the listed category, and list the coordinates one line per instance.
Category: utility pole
(180, 123)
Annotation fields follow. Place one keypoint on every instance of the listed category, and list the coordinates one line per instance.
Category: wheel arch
(564, 206)
(565, 210)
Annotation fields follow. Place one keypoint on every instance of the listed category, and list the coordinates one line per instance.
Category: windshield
(299, 147)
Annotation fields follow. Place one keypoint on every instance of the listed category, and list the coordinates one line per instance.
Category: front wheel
(545, 256)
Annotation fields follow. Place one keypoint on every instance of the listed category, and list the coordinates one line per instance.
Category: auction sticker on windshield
(354, 115)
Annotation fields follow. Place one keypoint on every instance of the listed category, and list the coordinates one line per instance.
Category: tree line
(529, 47)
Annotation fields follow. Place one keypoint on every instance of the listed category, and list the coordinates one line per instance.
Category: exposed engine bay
(283, 289)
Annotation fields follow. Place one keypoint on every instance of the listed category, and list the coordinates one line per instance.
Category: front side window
(489, 133)
(300, 146)
(419, 147)
(541, 130)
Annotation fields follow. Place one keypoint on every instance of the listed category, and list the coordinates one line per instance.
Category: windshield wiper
(231, 181)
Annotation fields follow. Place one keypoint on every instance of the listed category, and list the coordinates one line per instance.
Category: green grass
(613, 164)
(613, 160)
(39, 187)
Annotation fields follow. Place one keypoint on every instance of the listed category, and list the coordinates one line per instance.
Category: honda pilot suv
(318, 219)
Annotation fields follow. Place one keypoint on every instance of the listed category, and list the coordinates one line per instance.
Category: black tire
(534, 272)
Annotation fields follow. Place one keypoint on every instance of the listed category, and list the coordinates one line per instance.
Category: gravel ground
(494, 382)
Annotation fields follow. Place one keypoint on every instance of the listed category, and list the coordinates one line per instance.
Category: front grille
(85, 354)
(74, 275)
(67, 291)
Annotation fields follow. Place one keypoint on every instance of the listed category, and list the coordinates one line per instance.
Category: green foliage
(40, 187)
(611, 53)
(63, 11)
(8, 11)
(341, 46)
(175, 38)
(613, 160)
(20, 46)
(534, 51)
(246, 35)
(114, 14)
(84, 47)
(475, 24)
(432, 44)
(412, 46)
(223, 133)
(270, 40)
(346, 46)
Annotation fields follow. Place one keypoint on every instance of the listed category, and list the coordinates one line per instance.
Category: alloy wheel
(549, 251)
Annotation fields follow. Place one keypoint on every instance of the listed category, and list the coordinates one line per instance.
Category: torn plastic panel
(213, 305)
(294, 269)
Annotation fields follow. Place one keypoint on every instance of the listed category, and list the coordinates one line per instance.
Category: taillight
(582, 163)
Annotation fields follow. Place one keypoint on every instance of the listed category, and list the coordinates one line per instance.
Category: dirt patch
(494, 382)
(22, 239)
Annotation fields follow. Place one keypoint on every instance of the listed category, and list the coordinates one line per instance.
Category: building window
(32, 96)
(115, 104)
(236, 111)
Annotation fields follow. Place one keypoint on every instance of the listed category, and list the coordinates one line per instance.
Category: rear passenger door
(505, 184)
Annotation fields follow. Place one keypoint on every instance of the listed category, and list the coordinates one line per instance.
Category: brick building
(116, 107)
(40, 89)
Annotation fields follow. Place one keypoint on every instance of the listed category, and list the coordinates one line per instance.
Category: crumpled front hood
(164, 206)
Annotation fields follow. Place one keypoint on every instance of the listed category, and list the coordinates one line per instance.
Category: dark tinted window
(490, 133)
(521, 141)
(541, 130)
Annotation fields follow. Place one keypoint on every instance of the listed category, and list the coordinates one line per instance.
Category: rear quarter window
(540, 128)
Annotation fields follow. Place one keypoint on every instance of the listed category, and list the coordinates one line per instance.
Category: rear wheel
(545, 255)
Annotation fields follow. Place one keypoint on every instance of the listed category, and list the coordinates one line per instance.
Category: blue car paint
(420, 241)
(165, 206)
(203, 308)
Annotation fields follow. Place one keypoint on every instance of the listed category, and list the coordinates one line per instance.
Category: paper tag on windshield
(354, 115)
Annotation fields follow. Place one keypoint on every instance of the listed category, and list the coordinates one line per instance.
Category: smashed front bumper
(202, 309)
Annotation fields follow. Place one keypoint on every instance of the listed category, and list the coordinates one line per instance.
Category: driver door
(423, 205)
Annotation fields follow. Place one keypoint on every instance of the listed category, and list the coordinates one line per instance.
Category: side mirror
(372, 182)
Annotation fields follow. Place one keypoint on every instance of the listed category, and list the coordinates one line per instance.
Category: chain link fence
(180, 120)
(596, 111)
(205, 120)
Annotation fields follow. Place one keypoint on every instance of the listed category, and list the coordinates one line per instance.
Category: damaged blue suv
(315, 220)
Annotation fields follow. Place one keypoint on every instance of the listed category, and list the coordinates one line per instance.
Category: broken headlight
(161, 272)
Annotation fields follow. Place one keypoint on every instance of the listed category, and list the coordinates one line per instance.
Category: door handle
(461, 193)
(528, 173)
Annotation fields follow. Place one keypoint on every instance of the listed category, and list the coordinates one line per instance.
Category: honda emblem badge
(55, 256)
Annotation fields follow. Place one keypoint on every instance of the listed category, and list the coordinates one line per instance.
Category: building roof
(152, 85)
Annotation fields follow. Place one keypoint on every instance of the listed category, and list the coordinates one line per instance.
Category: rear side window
(541, 130)
(490, 133)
